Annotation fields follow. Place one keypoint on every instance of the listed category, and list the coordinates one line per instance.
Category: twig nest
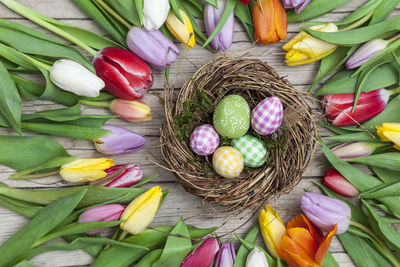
(279, 155)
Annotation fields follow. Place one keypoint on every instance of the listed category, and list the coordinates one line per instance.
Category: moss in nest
(208, 169)
(225, 141)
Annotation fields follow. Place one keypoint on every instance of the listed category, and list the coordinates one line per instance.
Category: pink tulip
(337, 183)
(339, 107)
(134, 110)
(126, 75)
(104, 213)
(203, 255)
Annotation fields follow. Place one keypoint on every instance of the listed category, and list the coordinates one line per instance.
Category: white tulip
(256, 258)
(75, 78)
(155, 13)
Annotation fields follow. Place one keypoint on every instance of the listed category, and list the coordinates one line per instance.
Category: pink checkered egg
(266, 117)
(204, 140)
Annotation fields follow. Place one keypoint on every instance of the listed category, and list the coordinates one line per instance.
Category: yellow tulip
(182, 31)
(390, 132)
(303, 48)
(141, 211)
(85, 170)
(272, 229)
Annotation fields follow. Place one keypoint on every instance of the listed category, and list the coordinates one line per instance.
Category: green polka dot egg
(232, 116)
(252, 149)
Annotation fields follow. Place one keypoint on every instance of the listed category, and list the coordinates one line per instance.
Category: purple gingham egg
(266, 117)
(204, 140)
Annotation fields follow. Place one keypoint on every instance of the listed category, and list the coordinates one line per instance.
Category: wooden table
(179, 202)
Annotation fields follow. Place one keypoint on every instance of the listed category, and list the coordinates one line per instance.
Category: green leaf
(387, 115)
(23, 208)
(145, 180)
(243, 13)
(383, 10)
(175, 5)
(24, 264)
(229, 7)
(213, 2)
(390, 160)
(359, 13)
(351, 137)
(384, 190)
(386, 175)
(139, 4)
(334, 129)
(94, 195)
(315, 8)
(176, 248)
(10, 101)
(243, 252)
(192, 8)
(362, 252)
(251, 246)
(329, 261)
(359, 35)
(126, 9)
(150, 258)
(24, 152)
(46, 219)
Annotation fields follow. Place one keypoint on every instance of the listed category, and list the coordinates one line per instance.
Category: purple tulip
(355, 149)
(123, 175)
(104, 213)
(226, 256)
(203, 255)
(119, 141)
(152, 46)
(365, 52)
(212, 15)
(325, 212)
(298, 5)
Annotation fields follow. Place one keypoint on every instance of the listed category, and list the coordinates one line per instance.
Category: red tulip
(339, 107)
(337, 183)
(126, 75)
(203, 255)
(245, 2)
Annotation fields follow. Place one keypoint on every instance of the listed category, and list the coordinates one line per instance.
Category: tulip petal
(324, 245)
(302, 221)
(280, 20)
(304, 240)
(392, 136)
(272, 229)
(293, 254)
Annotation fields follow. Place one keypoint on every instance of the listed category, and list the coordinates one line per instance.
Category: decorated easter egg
(204, 140)
(228, 162)
(232, 116)
(266, 117)
(252, 149)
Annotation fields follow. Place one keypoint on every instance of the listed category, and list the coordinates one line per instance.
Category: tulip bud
(126, 75)
(104, 213)
(272, 229)
(85, 170)
(134, 111)
(203, 255)
(119, 141)
(339, 107)
(270, 22)
(298, 5)
(390, 132)
(152, 46)
(212, 15)
(337, 183)
(141, 211)
(155, 13)
(226, 256)
(304, 48)
(75, 78)
(256, 258)
(245, 2)
(182, 31)
(354, 149)
(365, 52)
(123, 175)
(326, 212)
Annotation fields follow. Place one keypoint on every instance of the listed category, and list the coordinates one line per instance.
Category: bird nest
(290, 149)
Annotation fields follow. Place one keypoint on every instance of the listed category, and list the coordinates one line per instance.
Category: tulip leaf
(386, 175)
(330, 63)
(383, 10)
(10, 101)
(242, 12)
(228, 10)
(24, 264)
(243, 252)
(359, 13)
(126, 9)
(390, 160)
(94, 195)
(334, 129)
(351, 137)
(150, 258)
(193, 9)
(23, 208)
(384, 190)
(379, 226)
(329, 261)
(362, 252)
(175, 5)
(24, 152)
(314, 9)
(45, 220)
(102, 19)
(139, 4)
(145, 180)
(251, 246)
(387, 115)
(359, 35)
(213, 2)
(177, 246)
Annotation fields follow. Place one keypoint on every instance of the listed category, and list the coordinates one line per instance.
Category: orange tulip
(270, 25)
(303, 245)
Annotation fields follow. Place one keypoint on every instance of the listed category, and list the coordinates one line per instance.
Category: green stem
(358, 23)
(31, 15)
(394, 38)
(114, 14)
(382, 247)
(100, 104)
(34, 176)
(394, 91)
